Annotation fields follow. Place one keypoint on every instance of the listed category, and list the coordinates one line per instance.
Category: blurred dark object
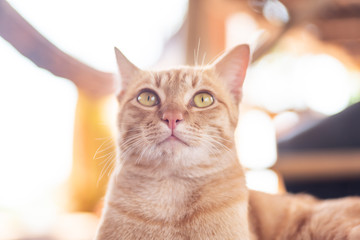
(340, 131)
(326, 189)
(324, 160)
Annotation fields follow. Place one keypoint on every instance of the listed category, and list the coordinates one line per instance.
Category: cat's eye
(148, 98)
(202, 100)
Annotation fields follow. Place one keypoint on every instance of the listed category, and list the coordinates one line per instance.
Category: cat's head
(182, 116)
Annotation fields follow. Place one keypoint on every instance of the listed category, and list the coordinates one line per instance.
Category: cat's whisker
(222, 145)
(127, 151)
(111, 170)
(211, 62)
(215, 133)
(218, 138)
(110, 158)
(111, 155)
(132, 138)
(215, 143)
(105, 155)
(130, 142)
(109, 161)
(195, 63)
(196, 53)
(128, 124)
(132, 131)
(203, 60)
(104, 170)
(215, 136)
(191, 133)
(109, 140)
(103, 150)
(141, 155)
(128, 146)
(145, 149)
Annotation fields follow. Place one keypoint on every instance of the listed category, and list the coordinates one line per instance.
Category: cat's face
(178, 116)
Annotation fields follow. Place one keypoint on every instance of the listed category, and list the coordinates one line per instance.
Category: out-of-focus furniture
(324, 159)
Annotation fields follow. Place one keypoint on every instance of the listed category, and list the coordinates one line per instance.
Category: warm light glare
(36, 128)
(270, 84)
(89, 30)
(255, 140)
(281, 81)
(36, 125)
(263, 180)
(325, 87)
(285, 121)
(238, 24)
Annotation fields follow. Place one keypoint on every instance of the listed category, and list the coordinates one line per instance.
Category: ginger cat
(178, 176)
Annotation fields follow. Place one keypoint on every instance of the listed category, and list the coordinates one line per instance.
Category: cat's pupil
(202, 99)
(148, 98)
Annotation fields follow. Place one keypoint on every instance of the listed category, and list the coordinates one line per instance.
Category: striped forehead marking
(184, 76)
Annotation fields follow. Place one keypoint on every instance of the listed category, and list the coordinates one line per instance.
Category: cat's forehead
(180, 79)
(176, 77)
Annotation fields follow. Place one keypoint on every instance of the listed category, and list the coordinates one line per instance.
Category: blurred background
(299, 127)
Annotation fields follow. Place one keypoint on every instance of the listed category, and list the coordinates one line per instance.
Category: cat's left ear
(231, 68)
(127, 69)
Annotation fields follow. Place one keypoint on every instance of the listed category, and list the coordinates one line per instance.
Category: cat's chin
(172, 147)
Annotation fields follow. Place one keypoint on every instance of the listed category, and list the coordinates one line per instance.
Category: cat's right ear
(231, 68)
(127, 70)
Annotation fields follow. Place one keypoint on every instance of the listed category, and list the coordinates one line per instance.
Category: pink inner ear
(231, 68)
(238, 80)
(127, 69)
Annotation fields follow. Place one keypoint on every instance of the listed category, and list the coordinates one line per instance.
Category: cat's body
(302, 217)
(178, 176)
(142, 205)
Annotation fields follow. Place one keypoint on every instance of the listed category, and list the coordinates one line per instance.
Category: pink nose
(172, 118)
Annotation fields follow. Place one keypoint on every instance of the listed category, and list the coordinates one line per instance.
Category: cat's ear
(231, 68)
(127, 69)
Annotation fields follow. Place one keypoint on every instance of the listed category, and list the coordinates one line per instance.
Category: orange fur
(193, 187)
(303, 217)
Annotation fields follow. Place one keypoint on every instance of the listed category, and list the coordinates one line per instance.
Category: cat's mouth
(173, 139)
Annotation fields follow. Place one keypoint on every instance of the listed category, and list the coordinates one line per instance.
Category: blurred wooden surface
(315, 165)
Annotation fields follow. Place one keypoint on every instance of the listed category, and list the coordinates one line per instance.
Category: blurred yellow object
(94, 153)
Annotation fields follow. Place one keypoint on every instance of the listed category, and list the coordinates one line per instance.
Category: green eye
(148, 98)
(202, 100)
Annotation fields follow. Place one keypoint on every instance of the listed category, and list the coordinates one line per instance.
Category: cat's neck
(172, 194)
(191, 168)
(139, 179)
